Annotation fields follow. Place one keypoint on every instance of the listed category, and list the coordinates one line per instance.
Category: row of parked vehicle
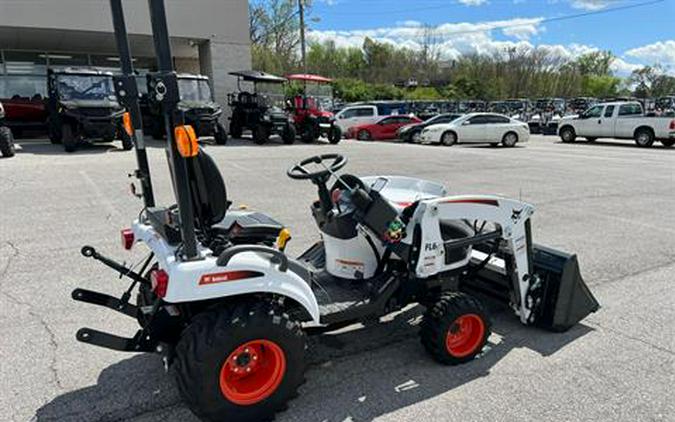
(81, 105)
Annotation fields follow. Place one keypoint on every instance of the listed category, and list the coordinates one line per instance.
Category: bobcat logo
(515, 215)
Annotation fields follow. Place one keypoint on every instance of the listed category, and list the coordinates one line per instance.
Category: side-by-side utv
(197, 104)
(261, 111)
(6, 137)
(82, 106)
(230, 311)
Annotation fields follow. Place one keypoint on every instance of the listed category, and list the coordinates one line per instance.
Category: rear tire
(510, 139)
(334, 135)
(289, 134)
(568, 135)
(225, 342)
(235, 129)
(455, 328)
(448, 139)
(53, 133)
(644, 138)
(221, 134)
(68, 138)
(6, 142)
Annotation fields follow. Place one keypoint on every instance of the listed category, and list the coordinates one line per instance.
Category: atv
(230, 312)
(310, 109)
(6, 137)
(261, 111)
(197, 105)
(82, 106)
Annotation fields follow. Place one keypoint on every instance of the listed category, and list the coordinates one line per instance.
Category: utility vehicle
(197, 104)
(6, 137)
(619, 120)
(310, 109)
(546, 115)
(82, 106)
(261, 111)
(230, 311)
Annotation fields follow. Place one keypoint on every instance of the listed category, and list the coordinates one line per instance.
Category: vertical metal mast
(165, 90)
(127, 92)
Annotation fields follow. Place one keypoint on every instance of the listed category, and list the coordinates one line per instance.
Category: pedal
(96, 298)
(110, 341)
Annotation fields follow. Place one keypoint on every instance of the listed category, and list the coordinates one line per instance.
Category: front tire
(510, 139)
(221, 134)
(667, 142)
(240, 362)
(127, 141)
(261, 135)
(448, 139)
(568, 135)
(289, 134)
(68, 138)
(6, 142)
(455, 328)
(364, 135)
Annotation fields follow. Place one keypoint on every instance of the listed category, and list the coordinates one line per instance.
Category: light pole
(303, 47)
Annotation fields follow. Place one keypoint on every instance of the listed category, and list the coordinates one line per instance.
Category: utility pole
(301, 11)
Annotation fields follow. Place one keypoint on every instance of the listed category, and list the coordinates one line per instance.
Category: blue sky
(639, 35)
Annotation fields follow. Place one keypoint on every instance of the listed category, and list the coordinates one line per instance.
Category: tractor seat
(210, 207)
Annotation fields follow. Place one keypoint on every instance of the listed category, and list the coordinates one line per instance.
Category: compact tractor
(82, 106)
(261, 111)
(311, 109)
(6, 137)
(230, 311)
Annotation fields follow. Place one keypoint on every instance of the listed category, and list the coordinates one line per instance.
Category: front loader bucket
(566, 297)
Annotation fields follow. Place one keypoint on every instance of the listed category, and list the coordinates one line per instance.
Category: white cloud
(590, 4)
(473, 2)
(662, 52)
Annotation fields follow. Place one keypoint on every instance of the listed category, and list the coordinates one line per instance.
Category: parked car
(82, 105)
(6, 138)
(488, 128)
(368, 113)
(25, 113)
(385, 128)
(412, 132)
(619, 120)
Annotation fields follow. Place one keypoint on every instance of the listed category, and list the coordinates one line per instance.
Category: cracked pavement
(609, 202)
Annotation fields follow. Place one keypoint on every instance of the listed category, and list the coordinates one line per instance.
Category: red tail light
(672, 125)
(160, 282)
(127, 238)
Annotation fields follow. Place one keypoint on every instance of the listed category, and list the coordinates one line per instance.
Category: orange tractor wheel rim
(465, 335)
(252, 372)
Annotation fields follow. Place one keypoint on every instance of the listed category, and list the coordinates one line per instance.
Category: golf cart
(6, 137)
(82, 106)
(519, 108)
(218, 297)
(546, 115)
(310, 110)
(197, 105)
(261, 111)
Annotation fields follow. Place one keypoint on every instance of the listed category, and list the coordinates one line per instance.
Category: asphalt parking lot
(609, 202)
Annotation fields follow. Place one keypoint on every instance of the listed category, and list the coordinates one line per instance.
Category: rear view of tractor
(261, 111)
(311, 109)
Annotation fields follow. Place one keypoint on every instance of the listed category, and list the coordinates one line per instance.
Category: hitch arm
(90, 252)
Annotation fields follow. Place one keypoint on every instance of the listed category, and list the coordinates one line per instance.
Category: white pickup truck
(621, 120)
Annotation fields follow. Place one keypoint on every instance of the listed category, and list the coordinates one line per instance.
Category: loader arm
(512, 220)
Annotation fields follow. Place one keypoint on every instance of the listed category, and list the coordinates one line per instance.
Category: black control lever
(90, 252)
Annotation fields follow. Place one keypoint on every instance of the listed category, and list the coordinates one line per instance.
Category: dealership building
(210, 37)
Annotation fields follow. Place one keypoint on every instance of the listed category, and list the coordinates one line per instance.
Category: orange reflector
(128, 126)
(186, 141)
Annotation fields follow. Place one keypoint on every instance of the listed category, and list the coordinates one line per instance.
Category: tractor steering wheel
(300, 171)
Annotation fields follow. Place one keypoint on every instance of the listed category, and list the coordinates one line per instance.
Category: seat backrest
(207, 188)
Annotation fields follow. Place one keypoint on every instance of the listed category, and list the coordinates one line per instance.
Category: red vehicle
(311, 110)
(385, 128)
(24, 113)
